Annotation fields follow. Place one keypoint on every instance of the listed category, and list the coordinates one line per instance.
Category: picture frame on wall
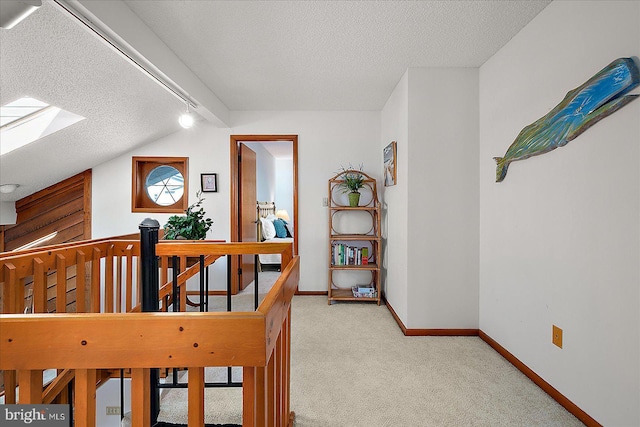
(389, 158)
(209, 182)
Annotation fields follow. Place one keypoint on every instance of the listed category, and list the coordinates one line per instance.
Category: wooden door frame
(235, 202)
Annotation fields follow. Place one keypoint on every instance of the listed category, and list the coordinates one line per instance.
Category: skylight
(28, 119)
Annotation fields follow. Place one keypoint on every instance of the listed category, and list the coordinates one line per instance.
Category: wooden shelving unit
(344, 239)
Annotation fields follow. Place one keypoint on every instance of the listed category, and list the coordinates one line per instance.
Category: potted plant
(353, 182)
(193, 226)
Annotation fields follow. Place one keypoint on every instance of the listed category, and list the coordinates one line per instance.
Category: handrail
(86, 342)
(102, 271)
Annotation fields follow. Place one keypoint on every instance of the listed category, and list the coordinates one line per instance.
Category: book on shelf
(364, 292)
(342, 254)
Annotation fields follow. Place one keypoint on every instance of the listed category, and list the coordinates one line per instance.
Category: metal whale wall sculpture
(581, 108)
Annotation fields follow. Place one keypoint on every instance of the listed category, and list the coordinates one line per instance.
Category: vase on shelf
(354, 199)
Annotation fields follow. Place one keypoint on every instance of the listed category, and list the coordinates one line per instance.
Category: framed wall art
(389, 158)
(209, 182)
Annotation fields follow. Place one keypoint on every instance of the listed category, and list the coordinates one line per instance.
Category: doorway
(236, 199)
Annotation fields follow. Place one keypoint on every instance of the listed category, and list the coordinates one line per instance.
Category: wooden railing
(108, 335)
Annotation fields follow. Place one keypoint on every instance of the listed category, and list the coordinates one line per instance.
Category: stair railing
(100, 275)
(88, 343)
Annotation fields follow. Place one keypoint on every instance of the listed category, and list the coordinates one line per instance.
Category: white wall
(395, 127)
(208, 150)
(8, 213)
(431, 216)
(560, 237)
(443, 198)
(326, 140)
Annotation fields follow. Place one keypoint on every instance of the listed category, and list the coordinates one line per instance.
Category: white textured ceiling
(327, 55)
(50, 57)
(253, 55)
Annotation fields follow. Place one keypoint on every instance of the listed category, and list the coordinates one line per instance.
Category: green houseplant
(192, 226)
(353, 182)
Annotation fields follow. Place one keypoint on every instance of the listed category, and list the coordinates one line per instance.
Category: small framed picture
(389, 156)
(209, 182)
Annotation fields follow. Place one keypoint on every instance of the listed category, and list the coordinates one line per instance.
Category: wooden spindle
(119, 285)
(61, 284)
(248, 396)
(196, 396)
(85, 397)
(108, 280)
(39, 303)
(80, 282)
(129, 279)
(95, 280)
(30, 386)
(140, 397)
(9, 288)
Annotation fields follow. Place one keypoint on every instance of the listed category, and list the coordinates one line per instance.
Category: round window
(164, 185)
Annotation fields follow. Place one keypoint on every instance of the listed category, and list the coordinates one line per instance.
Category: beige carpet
(352, 366)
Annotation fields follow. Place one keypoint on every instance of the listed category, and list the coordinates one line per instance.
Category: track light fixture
(186, 120)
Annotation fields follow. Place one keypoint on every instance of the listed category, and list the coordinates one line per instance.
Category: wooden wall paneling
(64, 208)
(44, 200)
(29, 226)
(45, 230)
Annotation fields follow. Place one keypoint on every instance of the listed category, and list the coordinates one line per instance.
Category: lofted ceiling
(226, 56)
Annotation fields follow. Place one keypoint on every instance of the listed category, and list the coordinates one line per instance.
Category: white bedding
(273, 258)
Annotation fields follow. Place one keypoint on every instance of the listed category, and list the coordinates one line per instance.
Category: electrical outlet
(556, 338)
(325, 202)
(113, 410)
